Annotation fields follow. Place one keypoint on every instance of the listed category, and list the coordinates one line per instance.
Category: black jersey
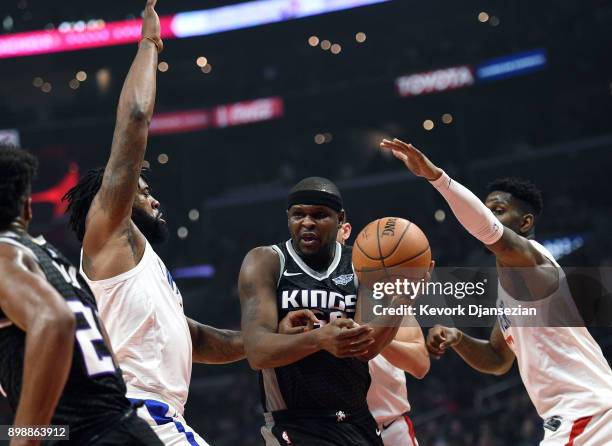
(320, 380)
(94, 395)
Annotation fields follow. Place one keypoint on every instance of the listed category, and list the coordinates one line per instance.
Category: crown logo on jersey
(340, 416)
(343, 279)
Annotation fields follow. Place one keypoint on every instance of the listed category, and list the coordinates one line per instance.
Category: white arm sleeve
(469, 210)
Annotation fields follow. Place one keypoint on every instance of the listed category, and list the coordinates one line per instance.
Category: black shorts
(321, 428)
(131, 431)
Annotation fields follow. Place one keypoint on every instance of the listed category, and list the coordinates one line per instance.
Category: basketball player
(314, 383)
(116, 218)
(387, 395)
(563, 369)
(56, 365)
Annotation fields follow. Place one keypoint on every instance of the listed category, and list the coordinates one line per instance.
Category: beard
(155, 230)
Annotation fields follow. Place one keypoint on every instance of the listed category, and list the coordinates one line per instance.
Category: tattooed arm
(108, 224)
(215, 346)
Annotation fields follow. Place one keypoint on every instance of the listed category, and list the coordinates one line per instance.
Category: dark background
(552, 126)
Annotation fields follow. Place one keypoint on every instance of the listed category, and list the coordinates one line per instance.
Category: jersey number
(86, 337)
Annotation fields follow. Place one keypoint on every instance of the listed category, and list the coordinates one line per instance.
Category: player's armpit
(33, 305)
(215, 346)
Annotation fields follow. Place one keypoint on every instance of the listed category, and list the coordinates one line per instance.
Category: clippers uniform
(93, 403)
(142, 310)
(319, 400)
(564, 371)
(388, 402)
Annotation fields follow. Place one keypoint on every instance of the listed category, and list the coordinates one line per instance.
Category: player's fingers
(344, 323)
(302, 316)
(357, 331)
(151, 3)
(361, 344)
(294, 330)
(399, 155)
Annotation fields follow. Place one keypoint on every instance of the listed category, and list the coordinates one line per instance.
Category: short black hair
(529, 196)
(81, 196)
(18, 168)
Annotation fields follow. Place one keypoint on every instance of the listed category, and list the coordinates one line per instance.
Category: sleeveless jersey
(562, 367)
(142, 310)
(94, 395)
(388, 394)
(320, 380)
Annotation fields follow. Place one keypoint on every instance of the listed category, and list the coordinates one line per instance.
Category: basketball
(390, 247)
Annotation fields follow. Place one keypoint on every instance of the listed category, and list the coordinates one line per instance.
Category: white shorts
(399, 432)
(168, 424)
(588, 431)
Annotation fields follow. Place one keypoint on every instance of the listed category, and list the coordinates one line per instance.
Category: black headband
(315, 197)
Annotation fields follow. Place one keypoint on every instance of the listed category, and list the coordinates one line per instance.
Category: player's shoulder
(261, 257)
(11, 249)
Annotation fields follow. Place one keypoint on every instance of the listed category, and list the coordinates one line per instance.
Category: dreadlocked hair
(81, 196)
(17, 170)
(524, 191)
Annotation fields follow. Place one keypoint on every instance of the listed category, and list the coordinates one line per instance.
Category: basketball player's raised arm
(264, 347)
(408, 352)
(35, 307)
(492, 356)
(510, 249)
(213, 345)
(112, 207)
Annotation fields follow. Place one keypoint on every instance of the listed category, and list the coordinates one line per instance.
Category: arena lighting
(9, 137)
(181, 25)
(229, 115)
(434, 81)
(193, 272)
(563, 246)
(54, 195)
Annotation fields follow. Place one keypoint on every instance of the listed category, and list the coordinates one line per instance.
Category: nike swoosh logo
(387, 426)
(288, 274)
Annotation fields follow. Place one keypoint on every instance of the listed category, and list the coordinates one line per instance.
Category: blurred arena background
(254, 97)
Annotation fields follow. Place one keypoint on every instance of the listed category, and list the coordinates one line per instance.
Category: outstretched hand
(151, 28)
(413, 158)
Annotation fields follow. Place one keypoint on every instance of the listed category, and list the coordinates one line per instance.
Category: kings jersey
(320, 380)
(94, 395)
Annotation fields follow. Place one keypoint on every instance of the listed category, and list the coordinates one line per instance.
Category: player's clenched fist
(440, 338)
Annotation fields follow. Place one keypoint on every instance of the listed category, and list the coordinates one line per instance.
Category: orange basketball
(390, 247)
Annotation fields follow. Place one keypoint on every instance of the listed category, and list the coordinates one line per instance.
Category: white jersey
(562, 367)
(142, 310)
(388, 395)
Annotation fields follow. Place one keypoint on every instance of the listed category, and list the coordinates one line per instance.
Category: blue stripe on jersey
(158, 411)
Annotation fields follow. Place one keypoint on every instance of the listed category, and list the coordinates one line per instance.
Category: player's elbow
(138, 114)
(422, 369)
